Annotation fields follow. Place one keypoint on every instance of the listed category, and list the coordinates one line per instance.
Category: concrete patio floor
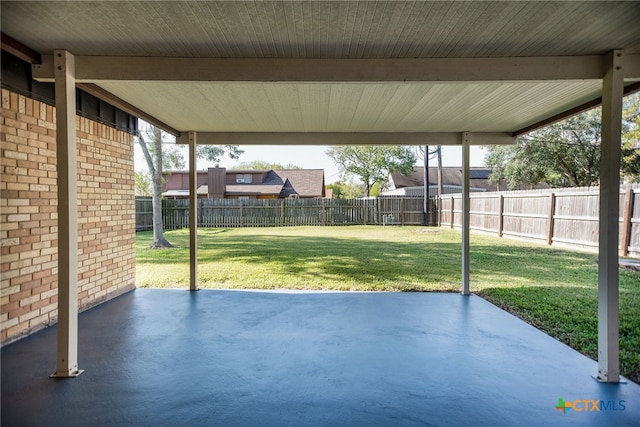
(246, 358)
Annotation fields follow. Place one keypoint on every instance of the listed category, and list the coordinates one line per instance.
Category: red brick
(19, 295)
(6, 308)
(19, 311)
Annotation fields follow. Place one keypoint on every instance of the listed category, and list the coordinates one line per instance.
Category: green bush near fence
(552, 289)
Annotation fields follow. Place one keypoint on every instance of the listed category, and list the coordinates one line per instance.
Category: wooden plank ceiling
(342, 30)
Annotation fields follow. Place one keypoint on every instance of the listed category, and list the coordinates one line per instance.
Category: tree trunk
(154, 162)
(158, 233)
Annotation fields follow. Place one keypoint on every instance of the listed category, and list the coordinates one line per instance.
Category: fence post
(501, 215)
(452, 203)
(365, 206)
(241, 215)
(282, 212)
(550, 220)
(626, 222)
(165, 214)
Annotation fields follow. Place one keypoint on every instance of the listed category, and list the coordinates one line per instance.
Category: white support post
(193, 214)
(608, 306)
(65, 93)
(466, 142)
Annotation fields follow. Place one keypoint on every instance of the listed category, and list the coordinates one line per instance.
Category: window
(244, 178)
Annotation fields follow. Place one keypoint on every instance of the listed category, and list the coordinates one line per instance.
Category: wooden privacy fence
(286, 212)
(144, 214)
(562, 217)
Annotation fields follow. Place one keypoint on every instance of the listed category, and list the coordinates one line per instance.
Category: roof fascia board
(125, 68)
(347, 138)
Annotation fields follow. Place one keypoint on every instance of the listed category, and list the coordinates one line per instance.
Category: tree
(631, 138)
(263, 165)
(143, 184)
(150, 141)
(375, 190)
(565, 154)
(214, 153)
(159, 151)
(511, 164)
(346, 190)
(372, 163)
(336, 190)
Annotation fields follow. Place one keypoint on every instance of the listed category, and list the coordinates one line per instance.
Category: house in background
(220, 183)
(413, 184)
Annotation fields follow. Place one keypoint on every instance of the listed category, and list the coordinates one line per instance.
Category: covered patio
(171, 357)
(327, 73)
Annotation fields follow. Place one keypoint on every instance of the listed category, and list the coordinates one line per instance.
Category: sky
(310, 157)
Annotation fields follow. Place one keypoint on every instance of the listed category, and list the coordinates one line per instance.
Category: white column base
(71, 374)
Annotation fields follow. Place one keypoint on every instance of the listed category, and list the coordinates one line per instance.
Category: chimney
(216, 182)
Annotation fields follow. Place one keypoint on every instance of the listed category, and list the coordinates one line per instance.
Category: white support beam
(631, 68)
(65, 93)
(345, 138)
(103, 68)
(608, 305)
(193, 213)
(466, 144)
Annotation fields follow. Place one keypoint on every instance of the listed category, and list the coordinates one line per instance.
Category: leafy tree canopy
(143, 184)
(567, 153)
(347, 190)
(631, 138)
(214, 153)
(372, 163)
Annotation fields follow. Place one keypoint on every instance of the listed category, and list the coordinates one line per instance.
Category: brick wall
(28, 215)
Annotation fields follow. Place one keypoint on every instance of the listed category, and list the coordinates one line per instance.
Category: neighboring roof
(479, 177)
(303, 182)
(433, 190)
(548, 50)
(253, 190)
(203, 190)
(177, 193)
(282, 183)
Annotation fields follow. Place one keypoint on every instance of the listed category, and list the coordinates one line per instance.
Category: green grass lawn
(552, 289)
